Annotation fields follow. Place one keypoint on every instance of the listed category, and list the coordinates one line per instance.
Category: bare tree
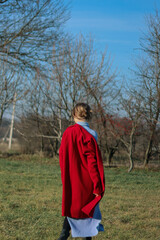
(149, 79)
(10, 84)
(100, 84)
(80, 74)
(132, 107)
(28, 30)
(124, 128)
(63, 89)
(39, 123)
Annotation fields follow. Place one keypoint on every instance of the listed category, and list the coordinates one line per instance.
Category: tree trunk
(42, 144)
(131, 161)
(149, 147)
(1, 116)
(148, 151)
(110, 154)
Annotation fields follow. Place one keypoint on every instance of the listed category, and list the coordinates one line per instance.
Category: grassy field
(30, 206)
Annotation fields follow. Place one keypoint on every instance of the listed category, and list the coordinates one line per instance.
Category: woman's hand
(96, 194)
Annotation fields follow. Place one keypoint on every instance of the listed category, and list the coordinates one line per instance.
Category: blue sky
(115, 24)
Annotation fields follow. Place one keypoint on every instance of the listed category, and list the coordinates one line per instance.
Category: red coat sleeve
(61, 156)
(89, 151)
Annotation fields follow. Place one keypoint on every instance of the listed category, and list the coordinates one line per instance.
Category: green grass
(30, 202)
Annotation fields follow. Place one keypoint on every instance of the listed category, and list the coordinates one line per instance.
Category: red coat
(81, 172)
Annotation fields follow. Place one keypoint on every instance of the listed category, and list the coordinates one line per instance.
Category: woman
(82, 177)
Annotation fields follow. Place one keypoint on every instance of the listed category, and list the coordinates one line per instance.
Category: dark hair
(82, 111)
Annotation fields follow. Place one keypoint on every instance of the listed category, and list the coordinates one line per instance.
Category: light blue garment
(87, 227)
(86, 126)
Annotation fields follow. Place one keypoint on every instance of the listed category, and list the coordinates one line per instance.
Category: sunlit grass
(30, 205)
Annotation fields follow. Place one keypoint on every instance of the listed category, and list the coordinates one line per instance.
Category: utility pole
(12, 122)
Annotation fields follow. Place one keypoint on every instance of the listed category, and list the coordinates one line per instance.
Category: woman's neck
(79, 120)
